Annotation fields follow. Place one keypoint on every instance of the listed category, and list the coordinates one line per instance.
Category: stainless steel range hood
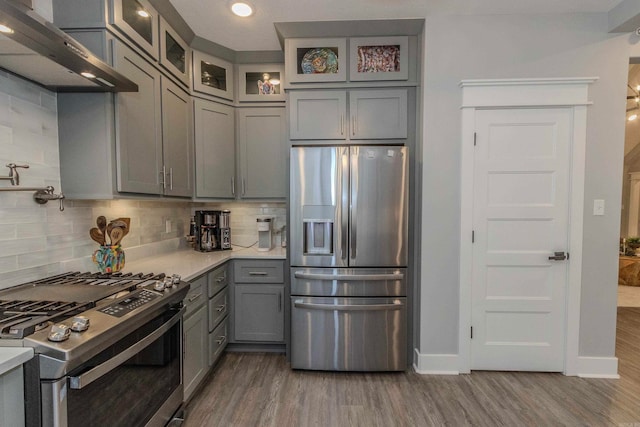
(36, 50)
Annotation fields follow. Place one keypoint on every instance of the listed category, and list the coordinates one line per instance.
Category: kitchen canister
(109, 259)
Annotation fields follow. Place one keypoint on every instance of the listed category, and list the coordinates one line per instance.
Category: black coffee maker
(212, 230)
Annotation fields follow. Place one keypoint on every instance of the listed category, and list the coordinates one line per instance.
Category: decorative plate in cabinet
(261, 82)
(315, 60)
(212, 75)
(379, 58)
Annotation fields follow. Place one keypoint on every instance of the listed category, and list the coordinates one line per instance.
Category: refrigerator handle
(353, 211)
(344, 215)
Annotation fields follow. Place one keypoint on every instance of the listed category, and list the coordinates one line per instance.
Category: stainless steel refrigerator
(348, 249)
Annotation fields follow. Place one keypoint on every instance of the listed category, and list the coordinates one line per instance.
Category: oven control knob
(168, 283)
(80, 323)
(59, 333)
(159, 286)
(175, 279)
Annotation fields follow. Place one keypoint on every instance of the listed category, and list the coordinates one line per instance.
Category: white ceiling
(213, 20)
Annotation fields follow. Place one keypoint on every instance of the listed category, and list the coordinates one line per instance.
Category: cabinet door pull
(221, 279)
(195, 297)
(257, 273)
(279, 302)
(170, 178)
(221, 308)
(163, 181)
(243, 187)
(221, 339)
(233, 186)
(353, 126)
(341, 124)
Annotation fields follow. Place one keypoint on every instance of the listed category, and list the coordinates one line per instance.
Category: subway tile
(8, 263)
(47, 256)
(8, 231)
(21, 215)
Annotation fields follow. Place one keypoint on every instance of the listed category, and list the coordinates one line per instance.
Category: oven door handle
(81, 381)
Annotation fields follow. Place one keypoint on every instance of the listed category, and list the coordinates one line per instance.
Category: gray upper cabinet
(134, 142)
(378, 114)
(177, 139)
(263, 151)
(215, 150)
(138, 21)
(175, 54)
(138, 126)
(317, 114)
(373, 114)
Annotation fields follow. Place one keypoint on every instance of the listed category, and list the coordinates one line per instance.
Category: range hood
(33, 48)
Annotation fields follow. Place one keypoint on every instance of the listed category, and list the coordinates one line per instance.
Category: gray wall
(509, 46)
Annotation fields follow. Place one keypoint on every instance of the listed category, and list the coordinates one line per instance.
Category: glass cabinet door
(137, 20)
(212, 75)
(174, 52)
(261, 82)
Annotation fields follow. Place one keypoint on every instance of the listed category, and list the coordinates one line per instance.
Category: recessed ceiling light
(242, 9)
(632, 117)
(88, 75)
(5, 29)
(143, 13)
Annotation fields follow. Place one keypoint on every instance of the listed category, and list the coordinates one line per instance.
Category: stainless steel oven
(108, 347)
(135, 382)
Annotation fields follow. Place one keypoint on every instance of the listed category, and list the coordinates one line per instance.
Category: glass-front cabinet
(174, 52)
(213, 76)
(261, 82)
(138, 20)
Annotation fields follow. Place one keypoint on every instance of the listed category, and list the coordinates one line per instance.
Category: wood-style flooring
(255, 389)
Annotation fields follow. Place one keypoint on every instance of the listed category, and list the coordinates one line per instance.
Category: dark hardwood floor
(255, 389)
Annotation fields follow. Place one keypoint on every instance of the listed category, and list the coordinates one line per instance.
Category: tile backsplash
(38, 240)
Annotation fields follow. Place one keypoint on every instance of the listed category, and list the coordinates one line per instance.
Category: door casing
(522, 93)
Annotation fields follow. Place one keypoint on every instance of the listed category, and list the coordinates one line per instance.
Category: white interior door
(520, 219)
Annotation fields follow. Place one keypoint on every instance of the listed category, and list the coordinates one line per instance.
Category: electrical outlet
(598, 207)
(167, 226)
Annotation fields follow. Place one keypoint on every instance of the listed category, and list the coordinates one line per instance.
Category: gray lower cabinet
(218, 291)
(263, 148)
(139, 142)
(195, 336)
(372, 114)
(215, 150)
(12, 398)
(258, 307)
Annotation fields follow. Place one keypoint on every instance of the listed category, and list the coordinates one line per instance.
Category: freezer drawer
(349, 282)
(349, 334)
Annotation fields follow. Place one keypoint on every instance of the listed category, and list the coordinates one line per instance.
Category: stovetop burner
(32, 306)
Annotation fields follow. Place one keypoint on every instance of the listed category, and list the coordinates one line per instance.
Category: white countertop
(190, 264)
(10, 357)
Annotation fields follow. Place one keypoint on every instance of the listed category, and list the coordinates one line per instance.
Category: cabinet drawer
(197, 295)
(258, 271)
(218, 308)
(218, 279)
(218, 341)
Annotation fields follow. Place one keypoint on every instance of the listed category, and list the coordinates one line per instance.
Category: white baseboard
(435, 364)
(598, 367)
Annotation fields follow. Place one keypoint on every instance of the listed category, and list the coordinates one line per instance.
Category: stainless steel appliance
(108, 347)
(348, 216)
(212, 230)
(38, 51)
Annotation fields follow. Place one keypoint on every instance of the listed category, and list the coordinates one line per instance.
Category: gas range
(98, 339)
(73, 315)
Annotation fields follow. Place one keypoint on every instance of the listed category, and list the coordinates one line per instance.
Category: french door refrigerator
(348, 249)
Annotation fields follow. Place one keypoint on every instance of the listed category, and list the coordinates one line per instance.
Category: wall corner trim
(598, 367)
(435, 364)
